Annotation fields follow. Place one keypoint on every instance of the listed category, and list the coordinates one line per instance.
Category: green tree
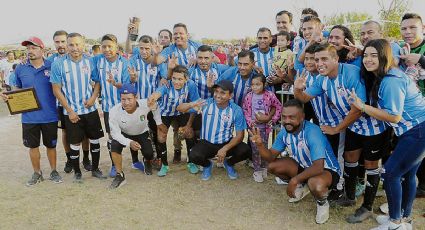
(352, 20)
(390, 15)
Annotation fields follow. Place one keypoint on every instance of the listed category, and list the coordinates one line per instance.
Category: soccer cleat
(55, 177)
(335, 195)
(207, 172)
(78, 178)
(322, 213)
(118, 181)
(231, 172)
(138, 165)
(68, 167)
(35, 179)
(359, 215)
(163, 172)
(98, 174)
(300, 192)
(87, 165)
(113, 171)
(192, 168)
(157, 164)
(148, 167)
(258, 176)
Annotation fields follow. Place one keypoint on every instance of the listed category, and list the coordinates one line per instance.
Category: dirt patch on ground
(178, 201)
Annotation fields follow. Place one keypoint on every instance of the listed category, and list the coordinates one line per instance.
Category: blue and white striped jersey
(119, 70)
(218, 124)
(326, 112)
(306, 146)
(337, 90)
(241, 86)
(264, 60)
(200, 77)
(148, 76)
(183, 55)
(75, 78)
(171, 97)
(405, 99)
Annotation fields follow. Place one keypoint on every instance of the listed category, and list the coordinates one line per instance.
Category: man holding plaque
(41, 119)
(71, 78)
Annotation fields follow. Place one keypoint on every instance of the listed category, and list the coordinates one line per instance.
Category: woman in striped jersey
(397, 101)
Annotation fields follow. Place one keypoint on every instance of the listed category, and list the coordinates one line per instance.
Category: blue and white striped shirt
(218, 124)
(200, 78)
(183, 55)
(306, 146)
(241, 86)
(405, 99)
(337, 90)
(148, 76)
(75, 78)
(171, 97)
(264, 60)
(119, 70)
(326, 112)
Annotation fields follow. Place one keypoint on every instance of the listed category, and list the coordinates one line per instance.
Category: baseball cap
(226, 85)
(128, 88)
(34, 41)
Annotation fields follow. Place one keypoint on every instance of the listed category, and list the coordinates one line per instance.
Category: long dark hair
(342, 53)
(386, 62)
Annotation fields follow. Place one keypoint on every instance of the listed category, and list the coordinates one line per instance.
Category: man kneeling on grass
(312, 165)
(128, 121)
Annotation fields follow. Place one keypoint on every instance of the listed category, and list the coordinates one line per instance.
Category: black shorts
(106, 120)
(143, 139)
(180, 119)
(31, 134)
(335, 176)
(88, 126)
(61, 117)
(337, 142)
(373, 147)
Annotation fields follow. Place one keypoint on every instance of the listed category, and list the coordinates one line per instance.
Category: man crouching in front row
(312, 165)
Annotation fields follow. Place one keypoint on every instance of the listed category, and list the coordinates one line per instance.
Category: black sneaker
(157, 164)
(344, 202)
(148, 167)
(359, 215)
(118, 181)
(87, 165)
(78, 178)
(68, 167)
(177, 156)
(98, 174)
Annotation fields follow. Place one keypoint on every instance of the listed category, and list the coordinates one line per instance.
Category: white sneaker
(300, 192)
(382, 219)
(392, 225)
(264, 172)
(322, 214)
(280, 181)
(258, 176)
(384, 208)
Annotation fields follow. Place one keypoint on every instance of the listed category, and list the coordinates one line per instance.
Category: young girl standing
(260, 107)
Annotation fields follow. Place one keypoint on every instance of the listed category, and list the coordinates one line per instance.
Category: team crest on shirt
(142, 117)
(114, 71)
(301, 144)
(225, 117)
(47, 73)
(153, 70)
(341, 91)
(85, 69)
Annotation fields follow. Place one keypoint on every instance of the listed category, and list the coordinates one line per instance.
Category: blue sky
(213, 19)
